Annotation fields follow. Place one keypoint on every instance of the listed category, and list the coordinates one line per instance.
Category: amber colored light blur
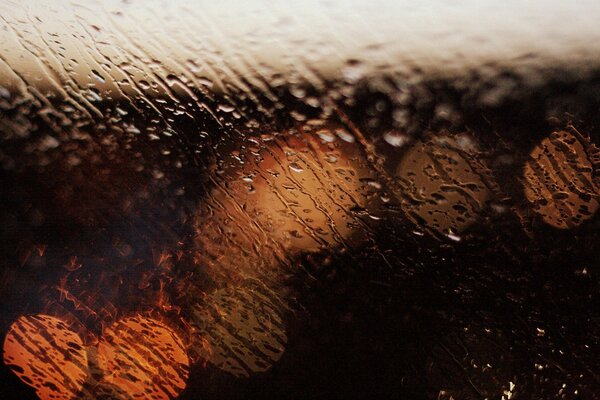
(242, 330)
(143, 358)
(303, 190)
(442, 187)
(558, 181)
(45, 354)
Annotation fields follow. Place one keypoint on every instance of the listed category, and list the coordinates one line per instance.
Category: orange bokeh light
(144, 358)
(558, 181)
(45, 354)
(302, 190)
(442, 184)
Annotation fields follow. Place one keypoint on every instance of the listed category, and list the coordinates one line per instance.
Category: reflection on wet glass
(472, 363)
(242, 329)
(443, 183)
(559, 180)
(45, 354)
(299, 189)
(143, 358)
(273, 201)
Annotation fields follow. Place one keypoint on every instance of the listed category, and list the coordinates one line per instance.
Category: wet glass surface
(299, 201)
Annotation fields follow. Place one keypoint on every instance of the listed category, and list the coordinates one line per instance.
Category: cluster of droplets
(126, 119)
(299, 192)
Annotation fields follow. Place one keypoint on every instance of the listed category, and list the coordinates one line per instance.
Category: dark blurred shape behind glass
(304, 200)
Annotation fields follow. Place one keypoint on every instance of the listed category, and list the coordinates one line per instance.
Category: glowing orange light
(301, 190)
(558, 181)
(144, 358)
(442, 183)
(45, 354)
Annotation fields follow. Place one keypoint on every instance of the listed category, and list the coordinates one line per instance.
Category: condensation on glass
(308, 200)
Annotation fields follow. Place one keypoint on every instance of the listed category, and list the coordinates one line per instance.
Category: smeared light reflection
(143, 358)
(558, 181)
(45, 354)
(442, 183)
